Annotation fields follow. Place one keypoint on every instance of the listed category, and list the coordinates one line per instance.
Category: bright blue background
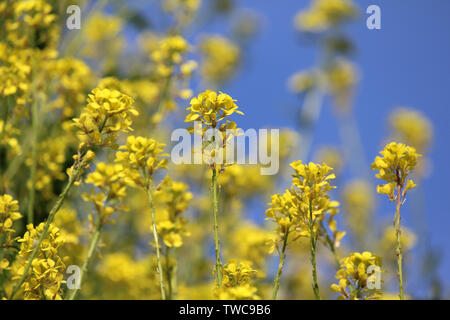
(406, 63)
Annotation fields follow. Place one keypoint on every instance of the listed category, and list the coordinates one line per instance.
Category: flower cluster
(324, 14)
(237, 285)
(175, 198)
(396, 164)
(169, 53)
(107, 113)
(411, 127)
(220, 58)
(213, 110)
(357, 279)
(46, 274)
(9, 212)
(141, 155)
(109, 179)
(358, 202)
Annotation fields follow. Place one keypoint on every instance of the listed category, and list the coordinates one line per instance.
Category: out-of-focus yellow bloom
(125, 278)
(141, 155)
(102, 34)
(183, 10)
(169, 53)
(251, 243)
(358, 203)
(175, 198)
(411, 127)
(388, 241)
(341, 79)
(396, 164)
(46, 274)
(237, 278)
(9, 212)
(353, 277)
(73, 79)
(324, 14)
(302, 81)
(50, 161)
(220, 59)
(8, 135)
(107, 113)
(331, 156)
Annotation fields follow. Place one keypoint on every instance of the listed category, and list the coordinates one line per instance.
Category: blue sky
(406, 63)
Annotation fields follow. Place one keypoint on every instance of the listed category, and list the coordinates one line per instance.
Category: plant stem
(169, 275)
(90, 255)
(312, 247)
(155, 236)
(399, 245)
(31, 196)
(73, 177)
(276, 282)
(216, 228)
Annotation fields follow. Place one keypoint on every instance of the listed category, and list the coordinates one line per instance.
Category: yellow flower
(141, 155)
(411, 127)
(220, 58)
(306, 204)
(396, 164)
(237, 285)
(46, 274)
(324, 14)
(175, 199)
(107, 113)
(354, 274)
(213, 110)
(9, 212)
(358, 202)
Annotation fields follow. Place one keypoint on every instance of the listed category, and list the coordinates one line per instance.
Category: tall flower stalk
(394, 166)
(301, 211)
(107, 113)
(141, 158)
(213, 110)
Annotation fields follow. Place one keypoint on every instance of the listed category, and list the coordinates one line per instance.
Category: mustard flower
(301, 212)
(394, 167)
(237, 285)
(411, 127)
(9, 212)
(355, 274)
(141, 155)
(220, 59)
(396, 164)
(213, 110)
(324, 14)
(107, 113)
(174, 196)
(46, 273)
(358, 202)
(109, 179)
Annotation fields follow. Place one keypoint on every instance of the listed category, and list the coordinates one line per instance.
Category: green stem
(216, 228)
(90, 256)
(312, 247)
(31, 196)
(51, 216)
(399, 245)
(276, 282)
(155, 236)
(168, 275)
